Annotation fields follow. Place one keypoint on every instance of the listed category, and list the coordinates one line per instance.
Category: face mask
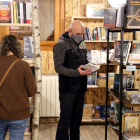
(77, 38)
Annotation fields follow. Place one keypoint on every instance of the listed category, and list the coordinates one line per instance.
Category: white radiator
(50, 105)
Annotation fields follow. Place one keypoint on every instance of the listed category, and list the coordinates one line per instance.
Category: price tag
(130, 68)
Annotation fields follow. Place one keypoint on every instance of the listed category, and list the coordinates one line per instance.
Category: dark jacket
(68, 56)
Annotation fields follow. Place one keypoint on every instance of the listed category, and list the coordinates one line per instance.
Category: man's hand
(84, 72)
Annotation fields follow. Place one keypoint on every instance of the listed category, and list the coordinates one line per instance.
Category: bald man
(69, 55)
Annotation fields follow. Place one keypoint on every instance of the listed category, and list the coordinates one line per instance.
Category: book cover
(110, 17)
(116, 81)
(95, 10)
(95, 54)
(112, 109)
(29, 13)
(103, 111)
(28, 47)
(5, 12)
(133, 14)
(131, 123)
(130, 81)
(118, 49)
(135, 98)
(117, 110)
(135, 49)
(96, 111)
(102, 75)
(92, 79)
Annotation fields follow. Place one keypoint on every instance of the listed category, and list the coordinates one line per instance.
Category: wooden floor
(88, 132)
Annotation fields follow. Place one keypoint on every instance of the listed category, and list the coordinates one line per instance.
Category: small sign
(130, 68)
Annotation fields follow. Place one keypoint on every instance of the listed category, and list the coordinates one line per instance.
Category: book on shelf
(112, 109)
(132, 134)
(15, 12)
(92, 79)
(5, 12)
(116, 110)
(96, 112)
(133, 14)
(119, 15)
(110, 17)
(135, 98)
(117, 49)
(28, 47)
(135, 49)
(103, 111)
(95, 10)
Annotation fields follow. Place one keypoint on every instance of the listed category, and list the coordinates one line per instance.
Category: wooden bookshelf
(15, 24)
(97, 41)
(125, 102)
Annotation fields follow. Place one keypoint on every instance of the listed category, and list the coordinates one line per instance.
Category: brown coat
(16, 88)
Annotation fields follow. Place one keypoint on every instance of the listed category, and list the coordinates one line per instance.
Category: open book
(91, 66)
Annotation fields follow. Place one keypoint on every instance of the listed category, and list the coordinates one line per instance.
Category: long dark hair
(11, 43)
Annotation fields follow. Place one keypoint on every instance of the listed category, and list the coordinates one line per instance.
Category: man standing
(69, 55)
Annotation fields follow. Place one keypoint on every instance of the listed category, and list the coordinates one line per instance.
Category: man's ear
(70, 33)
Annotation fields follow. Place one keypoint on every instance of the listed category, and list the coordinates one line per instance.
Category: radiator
(50, 105)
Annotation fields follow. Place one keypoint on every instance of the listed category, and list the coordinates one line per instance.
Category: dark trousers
(71, 105)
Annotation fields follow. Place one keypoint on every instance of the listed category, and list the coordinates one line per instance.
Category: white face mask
(77, 38)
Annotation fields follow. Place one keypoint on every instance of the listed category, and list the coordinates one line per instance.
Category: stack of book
(15, 12)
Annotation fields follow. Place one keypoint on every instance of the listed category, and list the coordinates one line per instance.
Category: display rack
(118, 95)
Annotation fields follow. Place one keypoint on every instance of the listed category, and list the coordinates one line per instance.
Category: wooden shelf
(92, 86)
(124, 66)
(97, 41)
(15, 24)
(93, 122)
(125, 29)
(88, 17)
(125, 102)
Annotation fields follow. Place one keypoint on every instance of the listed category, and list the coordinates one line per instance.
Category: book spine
(29, 13)
(18, 9)
(17, 13)
(21, 13)
(24, 11)
(96, 37)
(12, 14)
(15, 17)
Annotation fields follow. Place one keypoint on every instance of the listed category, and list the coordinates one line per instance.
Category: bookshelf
(86, 18)
(118, 94)
(15, 25)
(97, 41)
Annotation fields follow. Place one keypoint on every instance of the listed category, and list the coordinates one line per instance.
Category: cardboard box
(102, 82)
(87, 110)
